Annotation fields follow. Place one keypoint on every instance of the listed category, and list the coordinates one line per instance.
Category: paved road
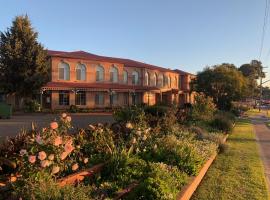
(11, 127)
(263, 139)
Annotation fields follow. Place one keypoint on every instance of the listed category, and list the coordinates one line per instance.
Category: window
(135, 78)
(114, 74)
(99, 99)
(64, 98)
(113, 98)
(165, 80)
(99, 73)
(81, 72)
(155, 81)
(135, 98)
(147, 78)
(175, 82)
(63, 71)
(80, 98)
(169, 81)
(161, 80)
(125, 77)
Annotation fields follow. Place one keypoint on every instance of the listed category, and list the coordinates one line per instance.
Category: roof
(90, 56)
(183, 72)
(75, 85)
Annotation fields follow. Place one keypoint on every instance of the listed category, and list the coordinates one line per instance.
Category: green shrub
(44, 187)
(132, 114)
(156, 110)
(203, 108)
(163, 182)
(31, 106)
(73, 109)
(187, 155)
(222, 123)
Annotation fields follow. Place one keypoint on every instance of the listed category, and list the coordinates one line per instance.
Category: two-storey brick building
(92, 81)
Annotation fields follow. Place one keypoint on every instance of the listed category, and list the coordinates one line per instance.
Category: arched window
(155, 80)
(161, 80)
(63, 71)
(165, 80)
(113, 74)
(81, 72)
(99, 73)
(125, 77)
(147, 78)
(169, 81)
(135, 78)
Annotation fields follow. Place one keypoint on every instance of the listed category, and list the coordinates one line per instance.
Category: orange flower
(45, 163)
(55, 169)
(42, 155)
(63, 155)
(57, 141)
(69, 147)
(54, 125)
(75, 166)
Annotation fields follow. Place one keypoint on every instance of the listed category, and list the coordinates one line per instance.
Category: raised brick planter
(79, 176)
(190, 188)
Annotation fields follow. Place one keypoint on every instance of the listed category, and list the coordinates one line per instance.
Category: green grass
(238, 172)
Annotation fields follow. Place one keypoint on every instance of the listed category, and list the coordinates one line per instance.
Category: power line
(266, 13)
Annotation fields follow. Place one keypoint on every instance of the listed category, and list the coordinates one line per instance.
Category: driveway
(11, 127)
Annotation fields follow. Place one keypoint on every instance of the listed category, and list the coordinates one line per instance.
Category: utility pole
(261, 83)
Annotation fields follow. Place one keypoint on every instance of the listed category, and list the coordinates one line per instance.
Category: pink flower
(57, 141)
(54, 125)
(42, 155)
(51, 157)
(23, 152)
(55, 169)
(45, 163)
(68, 119)
(63, 155)
(75, 166)
(69, 147)
(39, 139)
(64, 115)
(32, 159)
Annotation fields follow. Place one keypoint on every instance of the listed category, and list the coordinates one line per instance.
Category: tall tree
(224, 83)
(23, 61)
(252, 71)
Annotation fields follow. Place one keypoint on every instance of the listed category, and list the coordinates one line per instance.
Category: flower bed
(143, 159)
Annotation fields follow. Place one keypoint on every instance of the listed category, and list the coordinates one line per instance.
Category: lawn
(238, 172)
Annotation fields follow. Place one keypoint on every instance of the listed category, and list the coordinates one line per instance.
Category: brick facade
(172, 85)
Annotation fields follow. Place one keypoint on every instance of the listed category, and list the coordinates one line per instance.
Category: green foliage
(134, 114)
(223, 121)
(187, 155)
(73, 108)
(163, 182)
(23, 61)
(44, 187)
(156, 110)
(203, 108)
(31, 106)
(224, 83)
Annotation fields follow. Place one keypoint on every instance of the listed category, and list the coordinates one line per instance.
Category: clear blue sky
(184, 34)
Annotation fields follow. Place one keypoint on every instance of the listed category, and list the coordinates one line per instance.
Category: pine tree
(23, 61)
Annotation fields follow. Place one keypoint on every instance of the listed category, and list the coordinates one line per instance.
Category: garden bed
(146, 157)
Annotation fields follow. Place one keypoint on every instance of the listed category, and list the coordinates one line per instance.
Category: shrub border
(191, 187)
